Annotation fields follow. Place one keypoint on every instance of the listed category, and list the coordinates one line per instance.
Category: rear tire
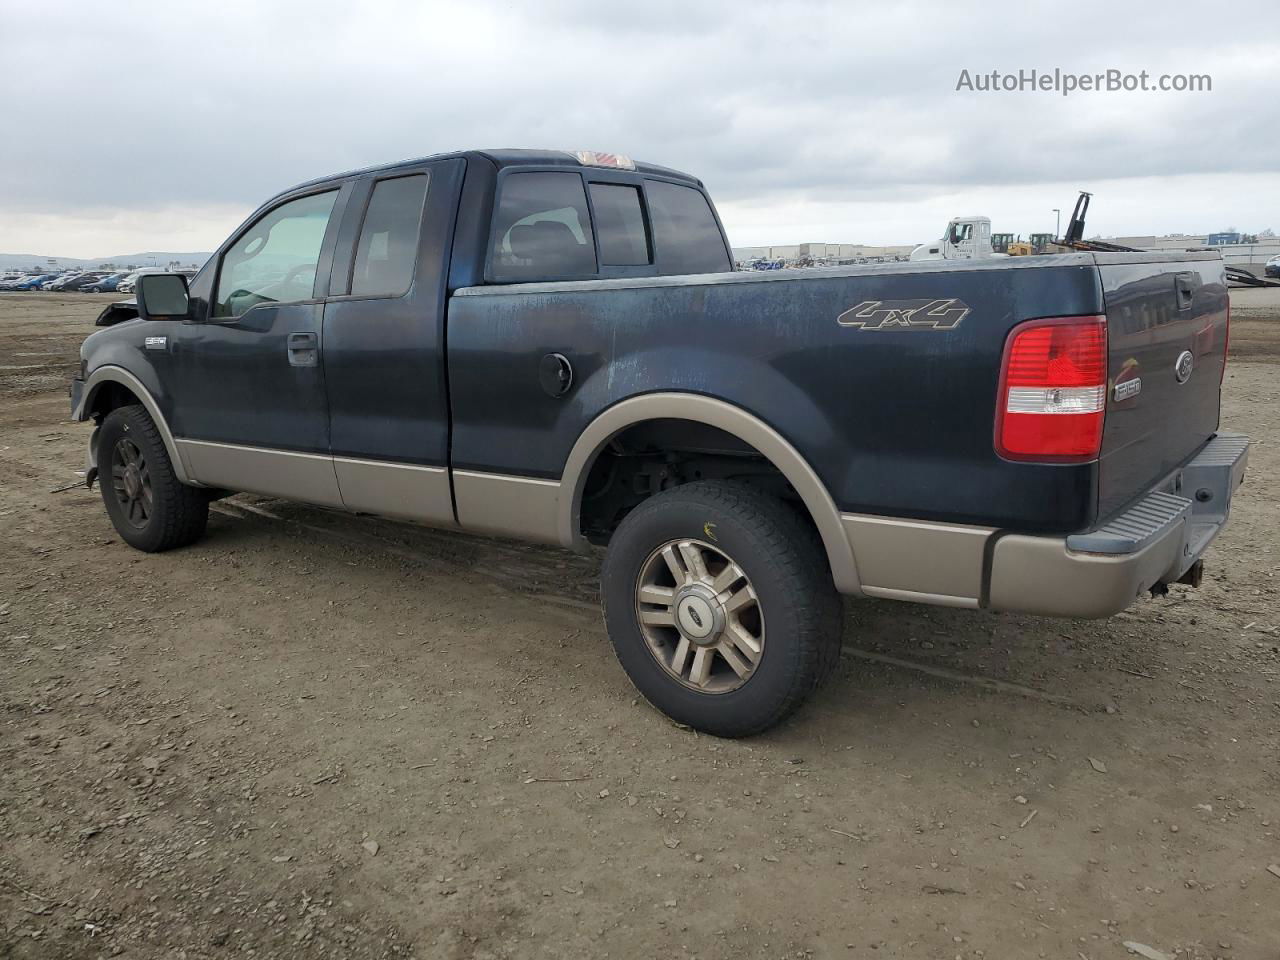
(149, 507)
(720, 606)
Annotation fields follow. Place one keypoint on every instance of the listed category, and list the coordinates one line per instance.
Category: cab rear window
(619, 223)
(543, 229)
(685, 232)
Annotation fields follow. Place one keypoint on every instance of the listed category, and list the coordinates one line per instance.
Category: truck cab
(964, 239)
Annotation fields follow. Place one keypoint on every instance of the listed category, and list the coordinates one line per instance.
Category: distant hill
(33, 262)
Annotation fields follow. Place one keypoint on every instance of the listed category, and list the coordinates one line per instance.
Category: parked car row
(88, 281)
(31, 281)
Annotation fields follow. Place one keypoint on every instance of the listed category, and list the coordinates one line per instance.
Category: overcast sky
(160, 126)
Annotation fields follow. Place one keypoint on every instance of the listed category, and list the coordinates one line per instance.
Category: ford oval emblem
(1182, 369)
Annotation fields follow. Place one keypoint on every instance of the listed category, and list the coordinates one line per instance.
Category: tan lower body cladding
(403, 491)
(948, 565)
(399, 490)
(522, 507)
(273, 473)
(938, 563)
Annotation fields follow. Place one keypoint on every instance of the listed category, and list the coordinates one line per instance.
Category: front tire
(719, 603)
(149, 507)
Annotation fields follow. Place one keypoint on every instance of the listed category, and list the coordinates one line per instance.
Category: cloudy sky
(159, 126)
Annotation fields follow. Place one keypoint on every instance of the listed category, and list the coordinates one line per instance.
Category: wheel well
(655, 455)
(108, 397)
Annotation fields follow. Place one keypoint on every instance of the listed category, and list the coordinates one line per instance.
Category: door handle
(304, 349)
(1186, 291)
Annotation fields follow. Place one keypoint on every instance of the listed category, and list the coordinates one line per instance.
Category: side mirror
(162, 296)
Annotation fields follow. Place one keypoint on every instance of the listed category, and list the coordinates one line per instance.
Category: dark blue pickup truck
(554, 347)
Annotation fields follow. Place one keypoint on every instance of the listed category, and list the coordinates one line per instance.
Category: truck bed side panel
(896, 420)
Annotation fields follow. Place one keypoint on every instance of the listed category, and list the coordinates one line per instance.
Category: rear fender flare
(734, 420)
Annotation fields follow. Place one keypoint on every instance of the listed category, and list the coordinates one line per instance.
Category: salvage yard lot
(313, 735)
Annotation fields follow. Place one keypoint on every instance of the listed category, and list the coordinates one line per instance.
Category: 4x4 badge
(938, 314)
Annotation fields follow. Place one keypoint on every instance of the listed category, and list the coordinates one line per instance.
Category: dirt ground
(317, 736)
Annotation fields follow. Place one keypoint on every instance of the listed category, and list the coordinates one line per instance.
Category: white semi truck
(965, 239)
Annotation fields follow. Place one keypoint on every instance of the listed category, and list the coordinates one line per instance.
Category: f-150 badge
(944, 314)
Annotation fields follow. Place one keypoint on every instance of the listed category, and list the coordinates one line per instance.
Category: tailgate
(1166, 344)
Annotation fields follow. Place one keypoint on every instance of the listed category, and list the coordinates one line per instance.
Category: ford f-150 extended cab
(553, 347)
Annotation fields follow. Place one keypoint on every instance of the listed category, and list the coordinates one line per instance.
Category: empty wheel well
(656, 455)
(108, 397)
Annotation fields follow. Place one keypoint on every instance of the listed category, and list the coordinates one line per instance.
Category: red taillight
(1053, 390)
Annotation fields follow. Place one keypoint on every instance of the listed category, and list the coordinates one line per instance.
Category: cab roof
(501, 158)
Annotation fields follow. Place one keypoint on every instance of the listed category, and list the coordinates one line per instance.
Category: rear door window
(388, 246)
(686, 237)
(543, 230)
(619, 225)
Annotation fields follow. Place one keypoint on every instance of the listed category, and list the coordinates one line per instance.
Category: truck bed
(897, 419)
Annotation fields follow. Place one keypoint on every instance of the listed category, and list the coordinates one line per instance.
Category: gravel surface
(312, 735)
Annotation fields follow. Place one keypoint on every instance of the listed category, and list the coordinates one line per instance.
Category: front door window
(275, 260)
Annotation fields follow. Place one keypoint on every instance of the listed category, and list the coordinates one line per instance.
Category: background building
(1250, 255)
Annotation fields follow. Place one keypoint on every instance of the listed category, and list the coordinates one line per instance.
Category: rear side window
(685, 233)
(543, 229)
(619, 224)
(388, 245)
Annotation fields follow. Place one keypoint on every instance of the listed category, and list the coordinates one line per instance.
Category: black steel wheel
(149, 507)
(131, 479)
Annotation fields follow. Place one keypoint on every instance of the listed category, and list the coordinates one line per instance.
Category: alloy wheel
(700, 616)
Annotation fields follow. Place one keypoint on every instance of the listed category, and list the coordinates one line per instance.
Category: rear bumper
(1155, 541)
